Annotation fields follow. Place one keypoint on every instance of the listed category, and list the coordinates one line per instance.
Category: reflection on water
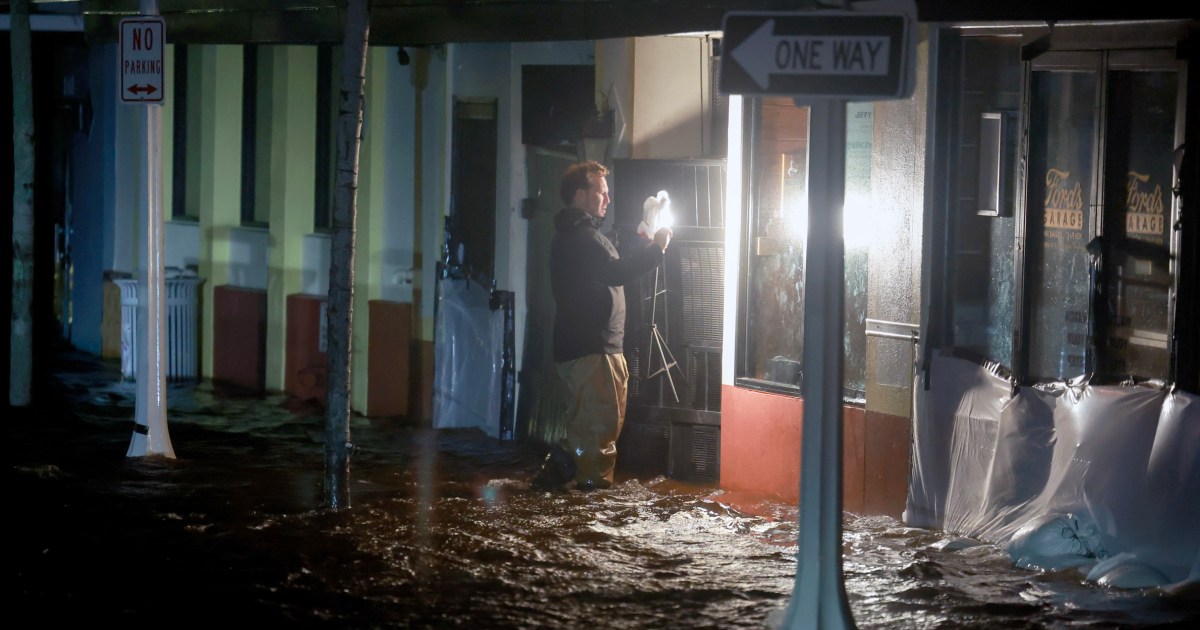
(443, 532)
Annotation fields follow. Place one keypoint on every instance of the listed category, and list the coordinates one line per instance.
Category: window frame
(250, 129)
(179, 136)
(744, 369)
(752, 127)
(324, 175)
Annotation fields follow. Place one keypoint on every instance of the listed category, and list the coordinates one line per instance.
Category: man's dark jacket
(587, 277)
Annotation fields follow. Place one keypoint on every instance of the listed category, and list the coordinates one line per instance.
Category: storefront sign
(1144, 206)
(1064, 201)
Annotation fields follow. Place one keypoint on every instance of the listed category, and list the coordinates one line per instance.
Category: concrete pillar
(291, 135)
(217, 145)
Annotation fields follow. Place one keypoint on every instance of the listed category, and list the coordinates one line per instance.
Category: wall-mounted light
(997, 144)
(595, 137)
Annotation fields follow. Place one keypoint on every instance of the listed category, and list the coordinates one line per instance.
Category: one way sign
(828, 54)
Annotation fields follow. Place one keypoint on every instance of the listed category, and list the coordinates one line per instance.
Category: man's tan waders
(596, 413)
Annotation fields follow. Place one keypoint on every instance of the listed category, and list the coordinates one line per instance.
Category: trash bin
(180, 344)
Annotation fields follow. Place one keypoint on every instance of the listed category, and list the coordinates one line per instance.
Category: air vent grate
(704, 376)
(695, 452)
(643, 448)
(703, 271)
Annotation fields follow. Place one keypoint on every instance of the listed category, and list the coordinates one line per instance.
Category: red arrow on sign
(148, 89)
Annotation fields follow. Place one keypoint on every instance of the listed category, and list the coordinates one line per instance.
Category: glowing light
(666, 218)
(859, 224)
(656, 214)
(795, 217)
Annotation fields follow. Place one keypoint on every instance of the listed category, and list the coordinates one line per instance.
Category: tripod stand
(657, 343)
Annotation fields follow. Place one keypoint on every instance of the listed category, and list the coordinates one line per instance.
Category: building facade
(1023, 216)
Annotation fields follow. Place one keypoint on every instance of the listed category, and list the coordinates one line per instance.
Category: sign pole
(819, 596)
(150, 435)
(823, 59)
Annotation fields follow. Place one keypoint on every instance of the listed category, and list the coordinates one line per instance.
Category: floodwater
(443, 531)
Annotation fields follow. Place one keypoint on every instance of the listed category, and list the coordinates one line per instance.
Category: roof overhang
(418, 22)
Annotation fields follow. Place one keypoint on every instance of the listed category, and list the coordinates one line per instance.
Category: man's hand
(662, 238)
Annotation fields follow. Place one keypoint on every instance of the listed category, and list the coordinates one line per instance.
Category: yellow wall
(671, 99)
(219, 149)
(370, 232)
(292, 139)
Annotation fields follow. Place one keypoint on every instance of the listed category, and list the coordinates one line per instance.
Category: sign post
(141, 74)
(823, 59)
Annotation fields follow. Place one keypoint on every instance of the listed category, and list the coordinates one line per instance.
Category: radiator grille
(633, 358)
(703, 275)
(695, 452)
(704, 376)
(643, 448)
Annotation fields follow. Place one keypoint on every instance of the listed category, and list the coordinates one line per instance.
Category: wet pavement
(443, 531)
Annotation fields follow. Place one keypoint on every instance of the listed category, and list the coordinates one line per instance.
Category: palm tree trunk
(21, 331)
(341, 267)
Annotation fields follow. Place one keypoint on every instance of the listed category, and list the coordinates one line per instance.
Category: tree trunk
(340, 309)
(21, 330)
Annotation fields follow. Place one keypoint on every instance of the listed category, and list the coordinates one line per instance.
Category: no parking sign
(141, 70)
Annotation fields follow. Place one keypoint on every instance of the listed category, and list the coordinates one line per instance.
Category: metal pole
(819, 597)
(150, 435)
(657, 343)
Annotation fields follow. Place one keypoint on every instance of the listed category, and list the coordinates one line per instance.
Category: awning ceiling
(420, 22)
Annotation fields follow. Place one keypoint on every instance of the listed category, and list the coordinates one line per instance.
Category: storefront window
(1059, 259)
(256, 119)
(981, 269)
(778, 225)
(860, 224)
(185, 126)
(777, 232)
(329, 60)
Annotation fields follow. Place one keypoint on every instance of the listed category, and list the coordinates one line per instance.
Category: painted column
(372, 201)
(220, 181)
(292, 140)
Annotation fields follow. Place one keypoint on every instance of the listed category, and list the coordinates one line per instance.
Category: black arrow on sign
(148, 89)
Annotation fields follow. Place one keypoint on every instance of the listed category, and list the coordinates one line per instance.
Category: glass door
(1098, 273)
(1064, 92)
(1134, 314)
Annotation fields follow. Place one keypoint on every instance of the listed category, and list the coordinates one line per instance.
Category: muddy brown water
(442, 531)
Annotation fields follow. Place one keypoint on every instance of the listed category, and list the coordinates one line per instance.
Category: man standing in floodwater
(587, 277)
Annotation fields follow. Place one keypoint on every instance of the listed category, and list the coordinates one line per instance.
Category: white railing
(181, 304)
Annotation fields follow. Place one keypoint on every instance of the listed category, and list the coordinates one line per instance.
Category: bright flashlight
(657, 214)
(665, 217)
